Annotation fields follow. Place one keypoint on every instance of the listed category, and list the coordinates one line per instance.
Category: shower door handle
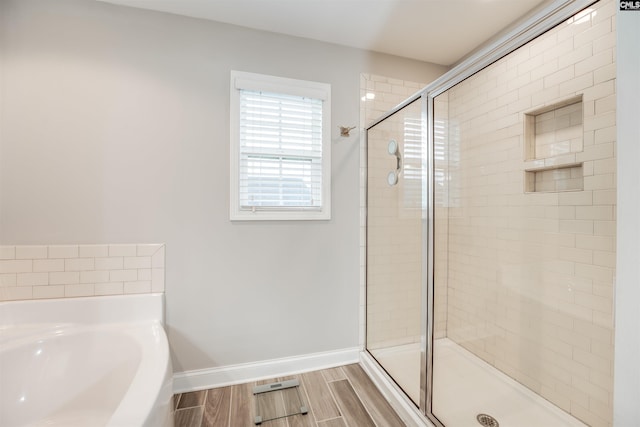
(394, 150)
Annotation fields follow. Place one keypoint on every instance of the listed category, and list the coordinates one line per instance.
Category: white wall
(626, 411)
(115, 130)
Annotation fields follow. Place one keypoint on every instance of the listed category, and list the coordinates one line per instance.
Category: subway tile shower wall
(66, 271)
(531, 272)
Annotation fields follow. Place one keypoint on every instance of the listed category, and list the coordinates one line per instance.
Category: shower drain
(487, 420)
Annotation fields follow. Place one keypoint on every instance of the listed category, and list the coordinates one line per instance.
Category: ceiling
(438, 31)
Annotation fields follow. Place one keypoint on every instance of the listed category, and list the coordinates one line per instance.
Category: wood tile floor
(337, 397)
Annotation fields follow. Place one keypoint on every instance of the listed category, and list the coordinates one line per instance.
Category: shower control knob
(393, 147)
(394, 150)
(392, 178)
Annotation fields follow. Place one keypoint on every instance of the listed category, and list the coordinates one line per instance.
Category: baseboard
(242, 373)
(394, 395)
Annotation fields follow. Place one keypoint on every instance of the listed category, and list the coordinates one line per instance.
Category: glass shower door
(395, 247)
(524, 243)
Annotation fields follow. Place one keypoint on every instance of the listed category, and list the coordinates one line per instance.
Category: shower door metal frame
(429, 279)
(537, 23)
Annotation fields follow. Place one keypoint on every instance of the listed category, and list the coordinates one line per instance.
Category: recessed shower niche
(553, 135)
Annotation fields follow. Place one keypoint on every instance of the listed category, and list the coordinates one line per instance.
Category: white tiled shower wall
(394, 238)
(531, 274)
(384, 93)
(66, 271)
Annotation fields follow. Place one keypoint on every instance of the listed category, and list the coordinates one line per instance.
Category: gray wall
(626, 411)
(115, 129)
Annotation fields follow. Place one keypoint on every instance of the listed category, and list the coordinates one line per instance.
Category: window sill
(245, 215)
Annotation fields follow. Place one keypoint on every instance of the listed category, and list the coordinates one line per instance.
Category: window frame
(280, 85)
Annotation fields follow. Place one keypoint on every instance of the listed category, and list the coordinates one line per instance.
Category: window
(280, 148)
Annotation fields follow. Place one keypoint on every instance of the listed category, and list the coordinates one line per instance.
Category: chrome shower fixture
(394, 150)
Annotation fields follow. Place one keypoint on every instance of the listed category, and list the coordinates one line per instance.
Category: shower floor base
(465, 386)
(402, 363)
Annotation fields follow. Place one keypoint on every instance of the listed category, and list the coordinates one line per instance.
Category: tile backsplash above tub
(66, 271)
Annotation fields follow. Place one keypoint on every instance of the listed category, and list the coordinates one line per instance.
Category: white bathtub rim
(88, 310)
(137, 403)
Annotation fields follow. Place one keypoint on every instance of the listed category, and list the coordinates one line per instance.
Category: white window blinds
(280, 151)
(280, 148)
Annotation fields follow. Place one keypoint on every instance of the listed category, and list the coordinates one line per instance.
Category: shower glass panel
(395, 246)
(524, 236)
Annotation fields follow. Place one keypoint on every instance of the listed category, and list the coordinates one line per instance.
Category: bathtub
(85, 362)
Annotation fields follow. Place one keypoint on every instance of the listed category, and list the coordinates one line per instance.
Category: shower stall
(490, 230)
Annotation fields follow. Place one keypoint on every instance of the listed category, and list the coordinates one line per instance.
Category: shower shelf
(568, 177)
